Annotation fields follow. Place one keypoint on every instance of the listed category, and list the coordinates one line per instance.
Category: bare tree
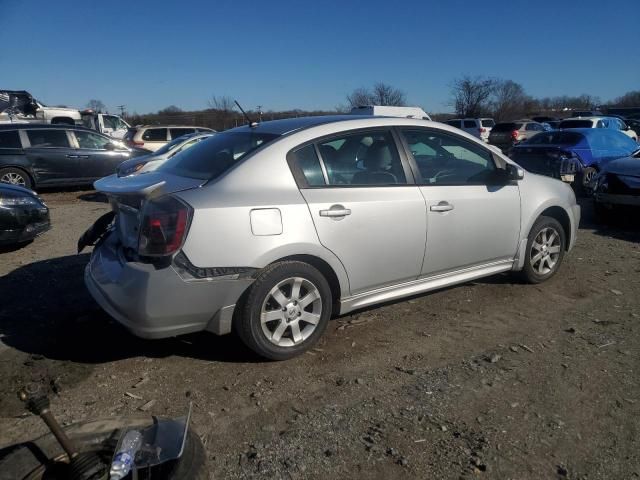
(629, 99)
(470, 95)
(380, 94)
(222, 102)
(96, 105)
(170, 109)
(508, 100)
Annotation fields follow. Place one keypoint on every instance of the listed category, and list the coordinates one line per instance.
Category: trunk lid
(127, 196)
(550, 160)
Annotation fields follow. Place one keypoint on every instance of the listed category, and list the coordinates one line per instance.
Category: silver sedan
(271, 229)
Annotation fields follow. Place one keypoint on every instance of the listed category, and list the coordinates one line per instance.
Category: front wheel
(286, 310)
(545, 250)
(15, 176)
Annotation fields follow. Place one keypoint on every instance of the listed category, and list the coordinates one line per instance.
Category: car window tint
(178, 132)
(10, 140)
(453, 123)
(369, 158)
(48, 138)
(91, 140)
(307, 162)
(487, 122)
(155, 135)
(110, 121)
(469, 124)
(454, 161)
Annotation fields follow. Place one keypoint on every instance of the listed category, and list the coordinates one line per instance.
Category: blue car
(572, 155)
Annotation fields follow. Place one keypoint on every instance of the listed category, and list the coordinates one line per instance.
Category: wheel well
(561, 216)
(18, 167)
(62, 121)
(324, 268)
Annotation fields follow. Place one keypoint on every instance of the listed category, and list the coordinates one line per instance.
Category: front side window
(48, 138)
(10, 139)
(368, 158)
(446, 159)
(91, 140)
(208, 160)
(155, 135)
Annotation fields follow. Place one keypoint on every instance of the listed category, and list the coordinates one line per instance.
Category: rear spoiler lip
(148, 185)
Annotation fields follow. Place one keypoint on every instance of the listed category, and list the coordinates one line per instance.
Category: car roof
(170, 126)
(38, 126)
(289, 125)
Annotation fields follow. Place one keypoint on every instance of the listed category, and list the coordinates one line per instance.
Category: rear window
(488, 123)
(576, 124)
(178, 132)
(48, 138)
(155, 135)
(212, 157)
(469, 124)
(506, 127)
(10, 140)
(555, 138)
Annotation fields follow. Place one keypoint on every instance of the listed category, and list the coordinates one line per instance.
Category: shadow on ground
(47, 312)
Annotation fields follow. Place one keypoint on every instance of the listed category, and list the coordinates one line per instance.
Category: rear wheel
(587, 175)
(545, 250)
(15, 176)
(286, 310)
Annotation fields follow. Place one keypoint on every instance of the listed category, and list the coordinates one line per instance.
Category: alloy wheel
(588, 175)
(291, 312)
(13, 178)
(545, 251)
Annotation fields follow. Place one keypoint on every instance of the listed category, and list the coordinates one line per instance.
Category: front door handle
(335, 211)
(83, 156)
(441, 207)
(72, 156)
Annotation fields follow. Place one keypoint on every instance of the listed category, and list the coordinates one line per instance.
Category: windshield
(212, 157)
(555, 138)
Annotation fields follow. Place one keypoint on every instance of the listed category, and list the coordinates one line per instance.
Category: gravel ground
(492, 379)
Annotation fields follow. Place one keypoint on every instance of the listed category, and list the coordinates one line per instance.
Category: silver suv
(271, 229)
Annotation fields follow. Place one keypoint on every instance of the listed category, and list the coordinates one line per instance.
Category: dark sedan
(35, 156)
(616, 188)
(23, 215)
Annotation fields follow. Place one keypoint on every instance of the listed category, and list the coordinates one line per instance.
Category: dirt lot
(493, 379)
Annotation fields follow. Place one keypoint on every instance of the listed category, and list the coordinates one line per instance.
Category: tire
(15, 176)
(587, 175)
(288, 329)
(537, 270)
(41, 458)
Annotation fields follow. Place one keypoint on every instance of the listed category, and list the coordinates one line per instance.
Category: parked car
(35, 156)
(574, 154)
(153, 137)
(616, 188)
(391, 111)
(505, 135)
(23, 215)
(599, 122)
(147, 163)
(478, 127)
(111, 125)
(272, 229)
(18, 106)
(544, 119)
(553, 124)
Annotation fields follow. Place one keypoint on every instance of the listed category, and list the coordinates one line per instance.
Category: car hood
(628, 166)
(6, 187)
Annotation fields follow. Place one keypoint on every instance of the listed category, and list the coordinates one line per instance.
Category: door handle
(335, 211)
(441, 207)
(71, 156)
(83, 156)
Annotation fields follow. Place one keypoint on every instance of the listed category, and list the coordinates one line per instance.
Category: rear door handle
(441, 207)
(335, 211)
(72, 156)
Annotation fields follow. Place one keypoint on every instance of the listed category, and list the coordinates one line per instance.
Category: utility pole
(259, 113)
(121, 107)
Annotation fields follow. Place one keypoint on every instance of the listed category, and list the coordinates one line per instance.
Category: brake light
(482, 130)
(165, 223)
(137, 143)
(514, 134)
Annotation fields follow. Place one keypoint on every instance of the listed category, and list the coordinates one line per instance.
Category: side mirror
(110, 146)
(513, 172)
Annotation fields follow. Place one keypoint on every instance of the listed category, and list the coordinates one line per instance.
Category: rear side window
(555, 138)
(469, 124)
(307, 163)
(178, 132)
(155, 135)
(488, 123)
(534, 127)
(48, 138)
(454, 123)
(10, 140)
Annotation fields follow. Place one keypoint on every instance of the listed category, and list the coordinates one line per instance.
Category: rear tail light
(482, 130)
(137, 143)
(514, 134)
(164, 227)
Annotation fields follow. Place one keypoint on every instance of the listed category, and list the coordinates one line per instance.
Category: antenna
(251, 122)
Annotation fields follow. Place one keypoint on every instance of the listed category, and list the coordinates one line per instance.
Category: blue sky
(295, 54)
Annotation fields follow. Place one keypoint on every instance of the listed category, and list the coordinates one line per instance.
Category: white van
(478, 127)
(385, 111)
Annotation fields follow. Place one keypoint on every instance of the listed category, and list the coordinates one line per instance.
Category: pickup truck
(107, 123)
(18, 106)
